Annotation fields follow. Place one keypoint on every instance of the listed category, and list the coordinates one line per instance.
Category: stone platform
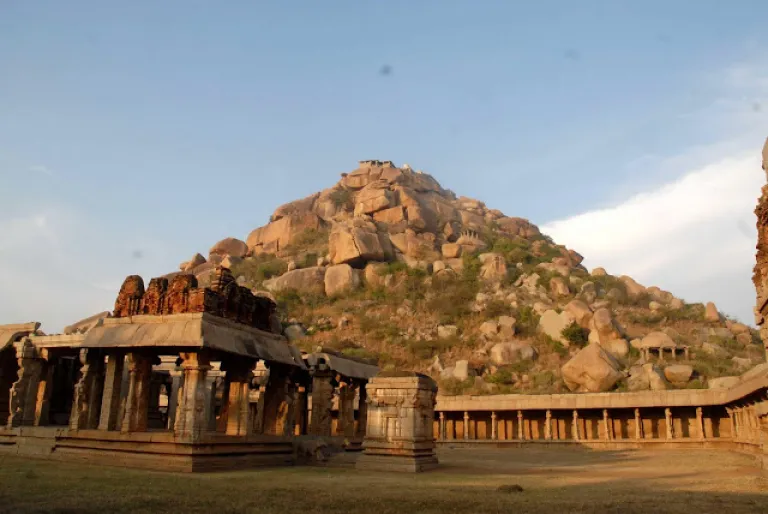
(148, 450)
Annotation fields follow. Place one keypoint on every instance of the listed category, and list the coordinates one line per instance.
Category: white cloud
(695, 236)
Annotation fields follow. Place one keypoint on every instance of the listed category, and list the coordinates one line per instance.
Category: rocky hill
(388, 266)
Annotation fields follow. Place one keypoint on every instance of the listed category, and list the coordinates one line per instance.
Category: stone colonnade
(327, 386)
(600, 425)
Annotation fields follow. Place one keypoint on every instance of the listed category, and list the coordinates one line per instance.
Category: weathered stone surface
(374, 274)
(558, 287)
(392, 216)
(494, 267)
(507, 326)
(230, 246)
(489, 329)
(447, 331)
(451, 250)
(711, 313)
(502, 354)
(603, 328)
(714, 350)
(723, 382)
(372, 198)
(619, 348)
(340, 279)
(311, 280)
(356, 243)
(580, 312)
(633, 288)
(599, 272)
(277, 235)
(294, 332)
(678, 373)
(552, 324)
(192, 263)
(591, 370)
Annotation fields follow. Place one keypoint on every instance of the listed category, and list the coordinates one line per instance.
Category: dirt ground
(468, 481)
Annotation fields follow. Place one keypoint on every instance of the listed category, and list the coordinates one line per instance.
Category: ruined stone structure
(399, 434)
(168, 381)
(760, 275)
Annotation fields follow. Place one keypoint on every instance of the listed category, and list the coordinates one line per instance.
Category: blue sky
(132, 136)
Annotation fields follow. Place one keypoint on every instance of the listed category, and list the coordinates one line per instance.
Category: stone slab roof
(642, 399)
(188, 331)
(343, 366)
(11, 333)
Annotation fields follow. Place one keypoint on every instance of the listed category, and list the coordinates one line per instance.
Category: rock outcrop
(592, 370)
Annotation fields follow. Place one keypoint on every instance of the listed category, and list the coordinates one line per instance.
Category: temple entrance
(9, 369)
(65, 375)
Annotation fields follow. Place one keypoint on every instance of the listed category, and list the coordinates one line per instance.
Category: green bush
(553, 345)
(544, 379)
(576, 335)
(496, 308)
(527, 321)
(341, 198)
(452, 298)
(455, 387)
(260, 268)
(309, 237)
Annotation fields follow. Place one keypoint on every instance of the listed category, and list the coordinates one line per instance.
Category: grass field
(468, 481)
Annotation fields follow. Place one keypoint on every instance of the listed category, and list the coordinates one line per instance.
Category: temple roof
(342, 365)
(11, 333)
(192, 331)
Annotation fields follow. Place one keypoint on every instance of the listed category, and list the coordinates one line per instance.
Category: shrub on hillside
(259, 268)
(527, 321)
(576, 335)
(341, 198)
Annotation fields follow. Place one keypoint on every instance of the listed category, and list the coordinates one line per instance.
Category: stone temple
(188, 378)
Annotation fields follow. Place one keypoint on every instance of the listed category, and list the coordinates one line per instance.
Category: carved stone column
(466, 425)
(494, 429)
(442, 425)
(520, 431)
(301, 410)
(238, 408)
(173, 397)
(24, 390)
(44, 391)
(137, 399)
(548, 425)
(575, 426)
(322, 402)
(362, 409)
(193, 402)
(88, 391)
(278, 400)
(668, 418)
(700, 422)
(608, 425)
(110, 398)
(638, 425)
(346, 421)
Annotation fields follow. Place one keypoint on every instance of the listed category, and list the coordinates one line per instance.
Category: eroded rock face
(340, 279)
(502, 354)
(278, 234)
(552, 324)
(603, 328)
(678, 373)
(356, 242)
(580, 312)
(230, 246)
(592, 370)
(309, 280)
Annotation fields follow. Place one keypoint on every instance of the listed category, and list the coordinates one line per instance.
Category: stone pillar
(137, 400)
(346, 422)
(301, 411)
(193, 402)
(520, 431)
(400, 435)
(44, 391)
(173, 397)
(575, 426)
(494, 427)
(548, 425)
(278, 400)
(668, 418)
(238, 408)
(638, 425)
(607, 424)
(442, 426)
(466, 425)
(88, 391)
(23, 394)
(700, 422)
(362, 409)
(322, 402)
(110, 398)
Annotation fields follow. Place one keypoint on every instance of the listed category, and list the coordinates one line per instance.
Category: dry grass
(563, 480)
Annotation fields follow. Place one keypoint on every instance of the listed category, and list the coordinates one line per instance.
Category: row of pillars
(325, 384)
(607, 434)
(647, 353)
(747, 425)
